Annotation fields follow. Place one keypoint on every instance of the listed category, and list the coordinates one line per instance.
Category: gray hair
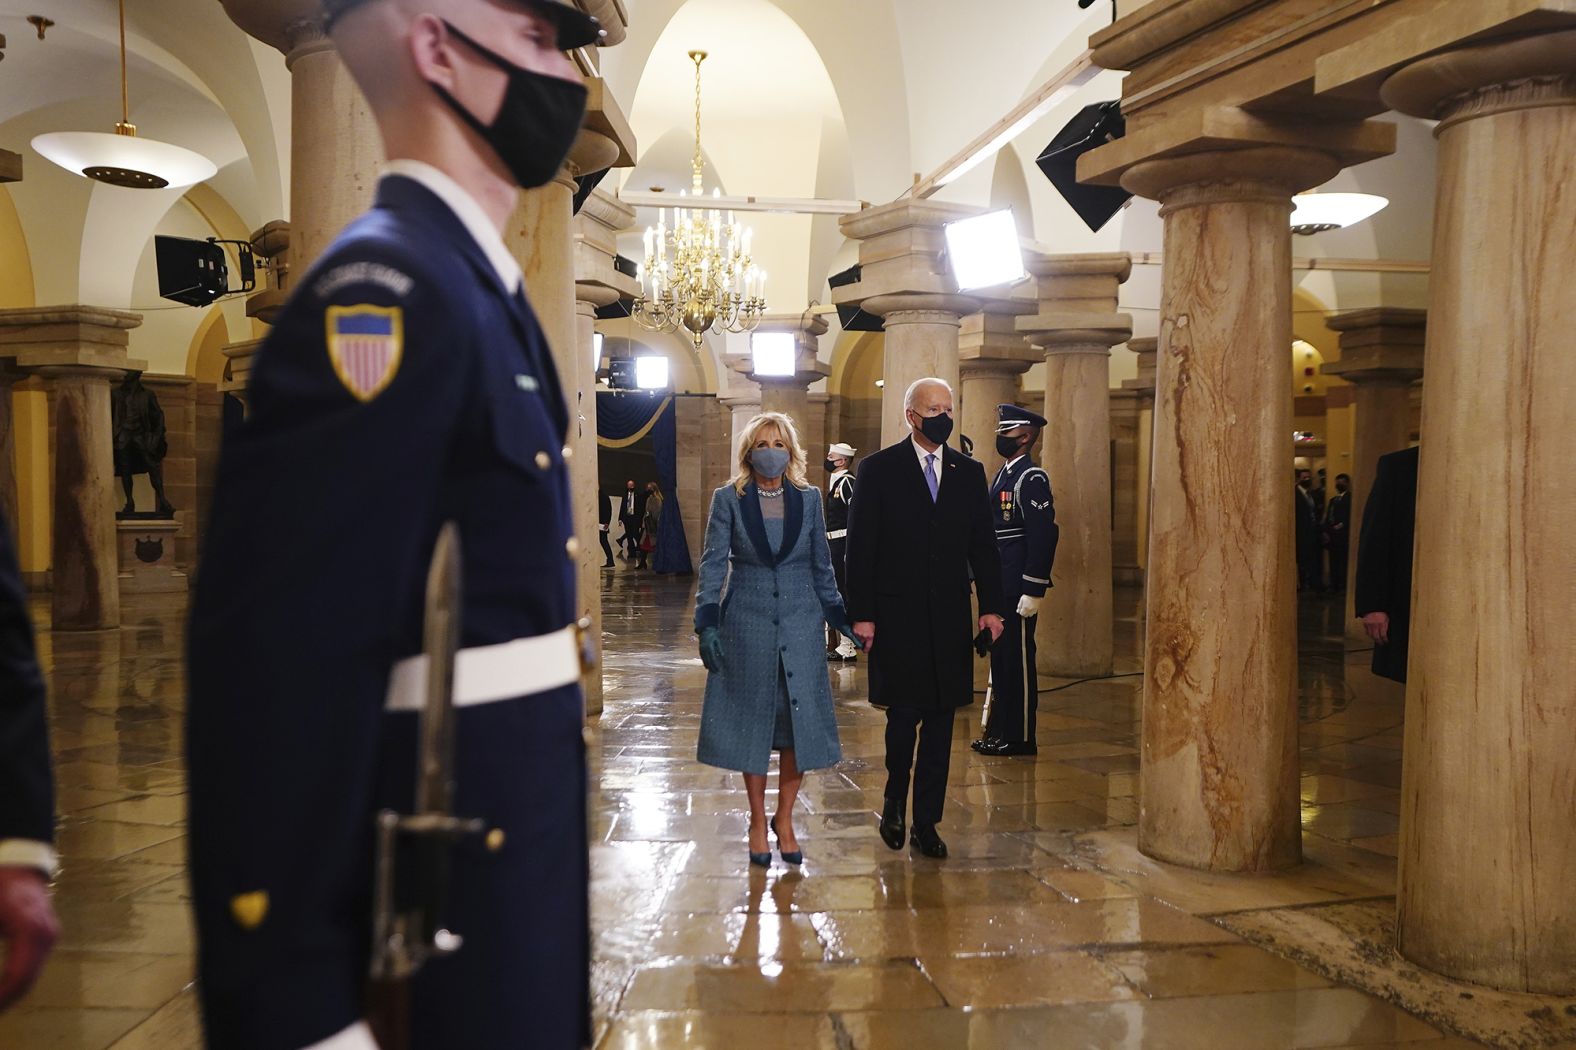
(914, 388)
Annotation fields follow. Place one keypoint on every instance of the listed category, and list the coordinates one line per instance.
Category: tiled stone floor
(1046, 927)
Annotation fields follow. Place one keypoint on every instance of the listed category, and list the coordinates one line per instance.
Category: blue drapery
(622, 420)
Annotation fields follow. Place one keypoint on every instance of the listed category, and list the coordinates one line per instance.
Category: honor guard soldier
(839, 497)
(1026, 534)
(405, 385)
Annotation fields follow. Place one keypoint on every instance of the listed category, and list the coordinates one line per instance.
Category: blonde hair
(752, 432)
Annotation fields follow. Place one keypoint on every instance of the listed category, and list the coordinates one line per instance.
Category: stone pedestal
(1076, 327)
(905, 281)
(1382, 357)
(1488, 843)
(597, 283)
(1219, 758)
(81, 351)
(991, 357)
(149, 555)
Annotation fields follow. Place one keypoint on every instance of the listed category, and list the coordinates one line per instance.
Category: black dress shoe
(1009, 747)
(984, 744)
(925, 839)
(892, 823)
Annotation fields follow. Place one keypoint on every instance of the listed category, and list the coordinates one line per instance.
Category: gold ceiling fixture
(40, 23)
(122, 159)
(699, 275)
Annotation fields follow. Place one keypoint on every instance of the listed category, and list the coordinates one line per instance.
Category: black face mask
(536, 124)
(936, 428)
(1006, 447)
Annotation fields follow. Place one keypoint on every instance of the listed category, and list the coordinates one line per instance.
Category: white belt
(837, 534)
(487, 673)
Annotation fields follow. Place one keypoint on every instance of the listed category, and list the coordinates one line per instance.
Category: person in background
(1337, 531)
(920, 530)
(1318, 492)
(1383, 598)
(28, 926)
(1307, 520)
(604, 517)
(839, 497)
(630, 512)
(1024, 514)
(766, 589)
(650, 520)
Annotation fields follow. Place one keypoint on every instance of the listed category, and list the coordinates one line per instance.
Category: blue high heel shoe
(761, 860)
(796, 857)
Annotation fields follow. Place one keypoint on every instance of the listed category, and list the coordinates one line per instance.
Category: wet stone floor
(1045, 927)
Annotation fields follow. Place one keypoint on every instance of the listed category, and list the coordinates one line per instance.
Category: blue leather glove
(711, 648)
(846, 629)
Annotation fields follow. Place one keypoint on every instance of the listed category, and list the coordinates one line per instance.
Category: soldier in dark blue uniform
(1026, 534)
(405, 385)
(839, 498)
(28, 926)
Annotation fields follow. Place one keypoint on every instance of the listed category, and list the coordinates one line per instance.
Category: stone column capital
(61, 338)
(1258, 174)
(1520, 73)
(285, 25)
(1069, 332)
(989, 343)
(915, 308)
(806, 329)
(1147, 348)
(1117, 265)
(596, 228)
(1379, 347)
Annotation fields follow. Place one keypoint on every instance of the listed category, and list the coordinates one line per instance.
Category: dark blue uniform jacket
(326, 510)
(1026, 531)
(27, 807)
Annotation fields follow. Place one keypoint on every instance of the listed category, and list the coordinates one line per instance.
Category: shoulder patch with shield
(365, 344)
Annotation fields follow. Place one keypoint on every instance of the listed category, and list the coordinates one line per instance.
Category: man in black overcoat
(1383, 596)
(28, 927)
(1338, 532)
(1307, 519)
(919, 528)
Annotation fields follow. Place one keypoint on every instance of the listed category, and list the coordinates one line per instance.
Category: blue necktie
(930, 475)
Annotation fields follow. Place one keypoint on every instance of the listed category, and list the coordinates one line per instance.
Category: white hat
(842, 448)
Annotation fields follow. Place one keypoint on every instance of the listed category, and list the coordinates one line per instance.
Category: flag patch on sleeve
(365, 344)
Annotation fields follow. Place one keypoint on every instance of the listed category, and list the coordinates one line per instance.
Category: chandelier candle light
(699, 274)
(122, 159)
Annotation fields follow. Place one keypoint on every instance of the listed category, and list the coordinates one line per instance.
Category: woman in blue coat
(766, 586)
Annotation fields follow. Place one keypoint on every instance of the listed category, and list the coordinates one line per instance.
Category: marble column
(905, 281)
(991, 357)
(1488, 843)
(597, 283)
(1382, 357)
(1076, 327)
(81, 350)
(1219, 742)
(1124, 492)
(1144, 386)
(8, 492)
(542, 234)
(335, 149)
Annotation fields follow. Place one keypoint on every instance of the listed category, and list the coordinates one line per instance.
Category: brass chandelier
(699, 274)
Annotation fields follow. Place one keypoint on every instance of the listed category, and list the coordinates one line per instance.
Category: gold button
(568, 452)
(495, 839)
(572, 547)
(543, 461)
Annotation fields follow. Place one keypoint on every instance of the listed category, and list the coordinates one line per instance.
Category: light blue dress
(768, 587)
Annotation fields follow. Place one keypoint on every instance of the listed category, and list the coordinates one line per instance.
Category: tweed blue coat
(771, 606)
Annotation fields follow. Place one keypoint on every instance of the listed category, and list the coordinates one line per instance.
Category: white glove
(1028, 606)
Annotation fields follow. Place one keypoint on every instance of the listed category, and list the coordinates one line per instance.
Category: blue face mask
(769, 462)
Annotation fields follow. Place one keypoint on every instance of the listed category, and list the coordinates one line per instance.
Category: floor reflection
(1045, 926)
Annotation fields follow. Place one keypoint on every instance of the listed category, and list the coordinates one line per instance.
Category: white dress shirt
(935, 467)
(470, 214)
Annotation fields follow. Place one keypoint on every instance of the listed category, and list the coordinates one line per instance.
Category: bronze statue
(140, 442)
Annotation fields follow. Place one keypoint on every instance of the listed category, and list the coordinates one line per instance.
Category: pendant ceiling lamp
(123, 159)
(1319, 212)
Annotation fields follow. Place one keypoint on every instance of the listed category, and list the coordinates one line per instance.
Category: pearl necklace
(776, 493)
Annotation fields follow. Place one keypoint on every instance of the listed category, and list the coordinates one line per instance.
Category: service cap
(575, 27)
(1010, 416)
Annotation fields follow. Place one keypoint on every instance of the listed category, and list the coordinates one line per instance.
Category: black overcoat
(27, 797)
(910, 563)
(1384, 557)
